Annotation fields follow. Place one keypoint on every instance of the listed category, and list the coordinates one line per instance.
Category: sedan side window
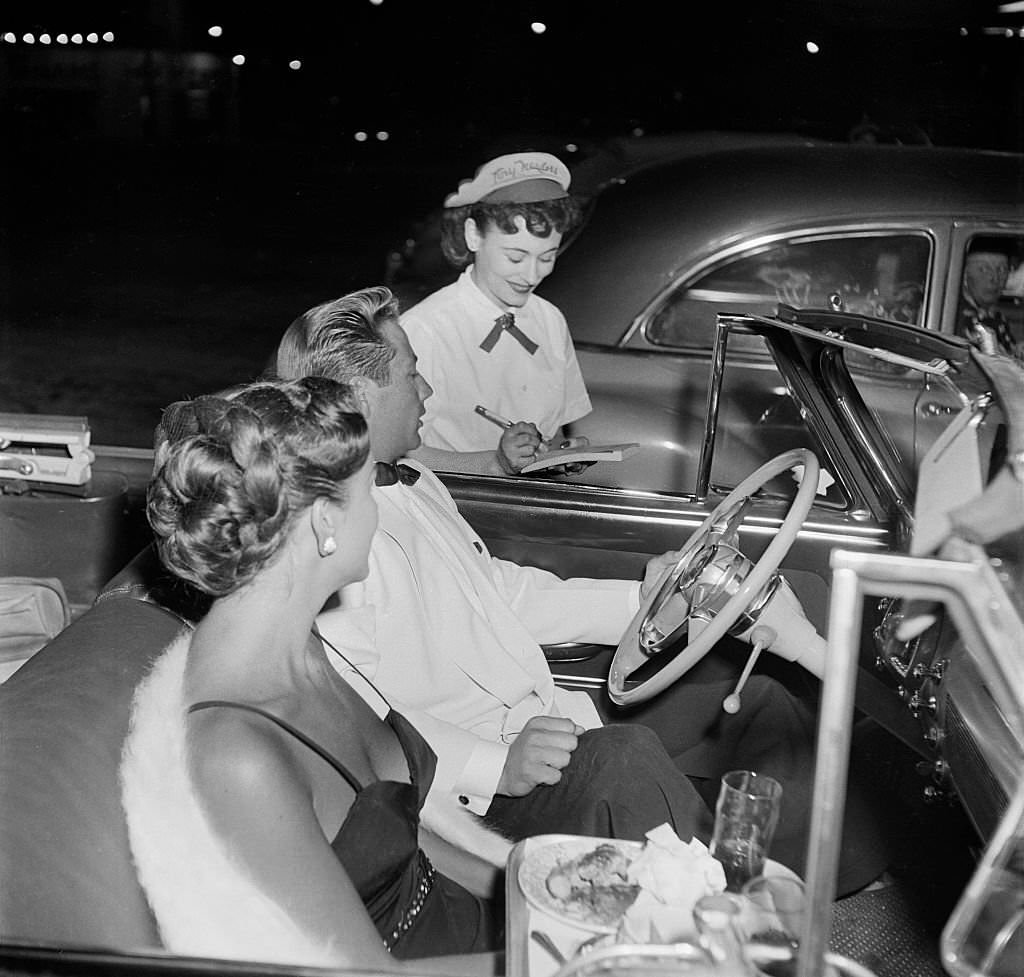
(990, 310)
(880, 275)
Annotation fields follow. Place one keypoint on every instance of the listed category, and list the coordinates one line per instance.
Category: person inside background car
(452, 636)
(979, 318)
(487, 339)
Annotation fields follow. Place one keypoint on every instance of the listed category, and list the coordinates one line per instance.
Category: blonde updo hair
(233, 473)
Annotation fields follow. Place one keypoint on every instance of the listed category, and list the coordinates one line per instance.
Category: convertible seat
(146, 578)
(82, 539)
(66, 873)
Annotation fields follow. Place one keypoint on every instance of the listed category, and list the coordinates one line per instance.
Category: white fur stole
(205, 903)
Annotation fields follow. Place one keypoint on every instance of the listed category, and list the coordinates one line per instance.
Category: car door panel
(591, 532)
(660, 401)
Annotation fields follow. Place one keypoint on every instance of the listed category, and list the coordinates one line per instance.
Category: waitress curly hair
(540, 218)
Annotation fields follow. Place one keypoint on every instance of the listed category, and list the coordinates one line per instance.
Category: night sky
(425, 69)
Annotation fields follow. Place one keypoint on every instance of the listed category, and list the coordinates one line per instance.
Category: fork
(549, 944)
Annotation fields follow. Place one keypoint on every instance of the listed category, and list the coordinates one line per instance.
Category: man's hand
(538, 755)
(518, 446)
(655, 568)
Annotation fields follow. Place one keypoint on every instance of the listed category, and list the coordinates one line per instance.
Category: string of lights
(44, 38)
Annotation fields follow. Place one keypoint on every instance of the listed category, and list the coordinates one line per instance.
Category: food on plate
(671, 875)
(649, 892)
(595, 884)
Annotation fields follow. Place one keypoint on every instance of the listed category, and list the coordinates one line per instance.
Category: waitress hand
(573, 468)
(518, 446)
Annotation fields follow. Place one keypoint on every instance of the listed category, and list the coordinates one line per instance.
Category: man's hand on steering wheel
(538, 755)
(712, 584)
(655, 570)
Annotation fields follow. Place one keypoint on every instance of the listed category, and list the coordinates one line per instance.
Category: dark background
(432, 72)
(166, 213)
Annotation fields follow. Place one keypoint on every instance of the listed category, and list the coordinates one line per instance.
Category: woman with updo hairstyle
(487, 339)
(224, 497)
(274, 812)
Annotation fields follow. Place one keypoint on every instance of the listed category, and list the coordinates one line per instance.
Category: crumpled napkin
(672, 875)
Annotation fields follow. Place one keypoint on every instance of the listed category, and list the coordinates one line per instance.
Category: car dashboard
(972, 751)
(969, 507)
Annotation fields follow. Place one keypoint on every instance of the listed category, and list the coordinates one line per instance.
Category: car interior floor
(894, 925)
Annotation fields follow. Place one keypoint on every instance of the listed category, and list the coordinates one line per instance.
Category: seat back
(66, 872)
(146, 578)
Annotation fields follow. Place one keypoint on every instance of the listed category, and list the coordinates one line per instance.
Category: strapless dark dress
(417, 911)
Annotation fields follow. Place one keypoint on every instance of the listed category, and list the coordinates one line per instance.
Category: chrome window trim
(863, 444)
(963, 230)
(684, 277)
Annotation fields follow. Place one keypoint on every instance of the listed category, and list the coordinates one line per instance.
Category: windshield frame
(808, 351)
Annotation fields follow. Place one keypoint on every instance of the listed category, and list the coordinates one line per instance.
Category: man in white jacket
(451, 637)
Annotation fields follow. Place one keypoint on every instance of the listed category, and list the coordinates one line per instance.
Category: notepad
(586, 454)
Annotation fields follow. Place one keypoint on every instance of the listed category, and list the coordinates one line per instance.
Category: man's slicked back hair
(341, 339)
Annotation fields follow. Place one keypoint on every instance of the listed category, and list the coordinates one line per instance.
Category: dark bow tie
(507, 323)
(390, 474)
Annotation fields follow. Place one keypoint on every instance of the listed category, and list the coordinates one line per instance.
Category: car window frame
(810, 386)
(964, 230)
(686, 276)
(805, 388)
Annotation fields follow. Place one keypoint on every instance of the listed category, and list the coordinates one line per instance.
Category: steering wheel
(711, 585)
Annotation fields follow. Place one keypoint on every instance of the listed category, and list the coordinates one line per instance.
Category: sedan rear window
(881, 275)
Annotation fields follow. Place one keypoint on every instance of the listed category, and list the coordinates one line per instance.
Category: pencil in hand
(492, 417)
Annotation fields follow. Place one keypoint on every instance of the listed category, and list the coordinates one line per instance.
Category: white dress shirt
(450, 635)
(445, 331)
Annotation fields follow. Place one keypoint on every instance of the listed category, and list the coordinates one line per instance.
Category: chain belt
(426, 874)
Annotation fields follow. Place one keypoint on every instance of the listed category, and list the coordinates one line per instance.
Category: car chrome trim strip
(937, 364)
(577, 681)
(714, 399)
(916, 226)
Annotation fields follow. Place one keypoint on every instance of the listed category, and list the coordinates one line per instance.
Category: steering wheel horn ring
(738, 590)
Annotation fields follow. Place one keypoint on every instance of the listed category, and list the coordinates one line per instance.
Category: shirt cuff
(633, 598)
(479, 780)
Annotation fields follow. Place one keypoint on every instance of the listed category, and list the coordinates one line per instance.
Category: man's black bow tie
(507, 323)
(391, 474)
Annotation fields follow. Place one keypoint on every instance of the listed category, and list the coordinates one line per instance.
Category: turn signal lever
(762, 637)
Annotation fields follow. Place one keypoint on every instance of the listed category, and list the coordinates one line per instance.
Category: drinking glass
(746, 815)
(717, 917)
(773, 914)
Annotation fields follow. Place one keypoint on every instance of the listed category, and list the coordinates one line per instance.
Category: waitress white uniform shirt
(450, 635)
(445, 331)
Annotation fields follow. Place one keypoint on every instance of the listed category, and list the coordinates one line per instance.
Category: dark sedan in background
(742, 226)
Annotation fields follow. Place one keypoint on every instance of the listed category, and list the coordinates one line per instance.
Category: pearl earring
(329, 546)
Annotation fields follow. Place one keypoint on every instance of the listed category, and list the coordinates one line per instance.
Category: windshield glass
(910, 410)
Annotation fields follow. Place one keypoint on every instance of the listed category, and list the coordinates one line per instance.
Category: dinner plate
(537, 865)
(539, 862)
